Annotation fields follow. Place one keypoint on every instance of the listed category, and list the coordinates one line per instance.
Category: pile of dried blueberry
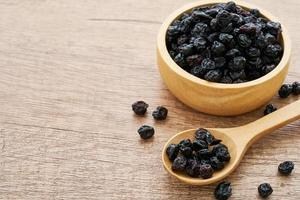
(198, 158)
(140, 108)
(225, 43)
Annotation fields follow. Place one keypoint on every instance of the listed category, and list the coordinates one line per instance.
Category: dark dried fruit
(213, 75)
(140, 107)
(223, 191)
(206, 171)
(160, 113)
(172, 151)
(192, 168)
(286, 167)
(225, 43)
(269, 109)
(197, 157)
(146, 132)
(199, 144)
(285, 90)
(296, 88)
(179, 163)
(265, 190)
(221, 152)
(216, 164)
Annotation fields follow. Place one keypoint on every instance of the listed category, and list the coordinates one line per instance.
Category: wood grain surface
(70, 71)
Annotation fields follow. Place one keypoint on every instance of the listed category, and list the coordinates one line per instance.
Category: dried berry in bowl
(225, 43)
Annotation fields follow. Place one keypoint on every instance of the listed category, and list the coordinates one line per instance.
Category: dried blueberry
(286, 167)
(206, 171)
(216, 164)
(194, 60)
(220, 62)
(233, 53)
(218, 48)
(185, 143)
(273, 51)
(244, 41)
(199, 43)
(186, 49)
(200, 29)
(253, 52)
(221, 152)
(268, 68)
(172, 151)
(203, 154)
(179, 163)
(296, 88)
(160, 113)
(199, 144)
(265, 190)
(192, 168)
(140, 107)
(146, 132)
(225, 38)
(238, 63)
(269, 109)
(186, 151)
(223, 191)
(213, 75)
(223, 18)
(285, 90)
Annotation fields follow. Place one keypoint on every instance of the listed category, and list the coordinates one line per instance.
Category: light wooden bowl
(217, 98)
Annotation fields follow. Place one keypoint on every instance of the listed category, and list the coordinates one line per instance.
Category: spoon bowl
(237, 139)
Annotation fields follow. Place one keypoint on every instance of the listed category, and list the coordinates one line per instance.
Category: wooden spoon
(237, 139)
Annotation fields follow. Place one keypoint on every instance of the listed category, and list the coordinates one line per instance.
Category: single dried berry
(218, 48)
(203, 154)
(199, 144)
(192, 168)
(160, 113)
(286, 167)
(265, 190)
(296, 88)
(238, 63)
(223, 191)
(213, 75)
(221, 152)
(140, 107)
(285, 90)
(179, 163)
(206, 171)
(216, 164)
(146, 132)
(269, 109)
(172, 151)
(186, 151)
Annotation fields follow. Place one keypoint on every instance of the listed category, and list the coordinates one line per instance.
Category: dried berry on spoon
(198, 158)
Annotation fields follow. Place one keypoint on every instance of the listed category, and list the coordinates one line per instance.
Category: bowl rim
(162, 47)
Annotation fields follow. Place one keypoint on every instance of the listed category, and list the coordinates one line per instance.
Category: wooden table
(70, 71)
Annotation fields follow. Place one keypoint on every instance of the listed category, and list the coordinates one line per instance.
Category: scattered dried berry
(225, 43)
(200, 157)
(269, 109)
(140, 107)
(286, 167)
(285, 90)
(296, 88)
(160, 113)
(265, 190)
(146, 132)
(223, 191)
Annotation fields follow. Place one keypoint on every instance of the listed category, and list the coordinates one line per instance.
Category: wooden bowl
(217, 98)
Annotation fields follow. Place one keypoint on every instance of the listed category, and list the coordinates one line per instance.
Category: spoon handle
(253, 131)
